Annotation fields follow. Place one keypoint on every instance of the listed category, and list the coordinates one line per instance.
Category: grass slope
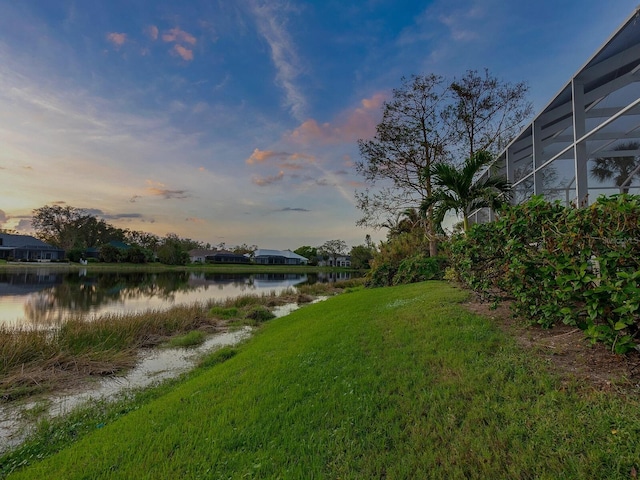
(388, 383)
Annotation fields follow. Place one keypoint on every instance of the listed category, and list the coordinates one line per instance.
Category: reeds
(34, 360)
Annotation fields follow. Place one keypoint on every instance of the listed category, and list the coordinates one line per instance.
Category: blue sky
(237, 121)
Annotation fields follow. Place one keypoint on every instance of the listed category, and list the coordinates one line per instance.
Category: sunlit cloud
(179, 36)
(184, 53)
(284, 160)
(117, 39)
(152, 32)
(261, 156)
(352, 125)
(269, 180)
(283, 55)
(160, 190)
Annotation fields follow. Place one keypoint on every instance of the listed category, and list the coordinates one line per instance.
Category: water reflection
(43, 298)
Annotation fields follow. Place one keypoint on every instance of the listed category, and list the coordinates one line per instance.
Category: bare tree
(410, 138)
(430, 120)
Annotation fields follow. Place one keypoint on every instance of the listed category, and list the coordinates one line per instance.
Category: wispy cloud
(359, 122)
(291, 209)
(197, 220)
(284, 160)
(117, 39)
(260, 156)
(268, 180)
(160, 190)
(272, 26)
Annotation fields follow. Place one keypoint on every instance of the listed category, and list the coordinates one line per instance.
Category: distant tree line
(78, 231)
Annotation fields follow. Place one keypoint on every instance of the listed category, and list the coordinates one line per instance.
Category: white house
(278, 257)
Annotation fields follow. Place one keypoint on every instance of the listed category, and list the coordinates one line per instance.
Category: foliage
(432, 120)
(75, 254)
(410, 138)
(136, 254)
(579, 266)
(403, 259)
(460, 190)
(332, 249)
(68, 227)
(172, 251)
(190, 339)
(110, 254)
(361, 256)
(310, 253)
(419, 268)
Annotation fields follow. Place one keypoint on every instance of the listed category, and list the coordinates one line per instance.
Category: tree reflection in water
(51, 297)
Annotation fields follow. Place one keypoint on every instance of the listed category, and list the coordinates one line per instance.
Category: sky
(236, 121)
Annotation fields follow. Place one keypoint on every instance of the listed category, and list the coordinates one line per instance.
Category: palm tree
(455, 189)
(621, 169)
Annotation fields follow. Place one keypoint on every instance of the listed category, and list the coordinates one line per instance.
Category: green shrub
(259, 314)
(573, 265)
(419, 268)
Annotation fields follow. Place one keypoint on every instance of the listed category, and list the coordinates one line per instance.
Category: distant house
(343, 261)
(28, 248)
(278, 257)
(224, 256)
(199, 255)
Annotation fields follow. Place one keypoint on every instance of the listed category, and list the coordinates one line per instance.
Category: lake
(40, 297)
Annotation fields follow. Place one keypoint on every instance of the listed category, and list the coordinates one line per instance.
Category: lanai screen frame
(595, 115)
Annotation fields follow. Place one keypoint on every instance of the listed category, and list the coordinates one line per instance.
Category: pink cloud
(184, 53)
(261, 156)
(179, 36)
(117, 39)
(284, 160)
(152, 32)
(352, 125)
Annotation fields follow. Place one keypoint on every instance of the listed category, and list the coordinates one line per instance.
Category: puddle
(154, 366)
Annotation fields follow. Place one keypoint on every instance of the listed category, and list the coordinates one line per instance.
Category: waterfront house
(278, 257)
(28, 249)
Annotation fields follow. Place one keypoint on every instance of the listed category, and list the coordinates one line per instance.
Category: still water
(42, 298)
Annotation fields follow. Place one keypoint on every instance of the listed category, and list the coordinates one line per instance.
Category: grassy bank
(397, 382)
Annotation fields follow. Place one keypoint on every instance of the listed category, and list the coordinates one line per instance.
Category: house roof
(23, 241)
(262, 252)
(198, 252)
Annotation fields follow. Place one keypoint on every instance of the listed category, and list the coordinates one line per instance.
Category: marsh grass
(34, 361)
(191, 339)
(399, 382)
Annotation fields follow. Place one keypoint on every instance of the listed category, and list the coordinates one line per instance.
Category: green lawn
(397, 383)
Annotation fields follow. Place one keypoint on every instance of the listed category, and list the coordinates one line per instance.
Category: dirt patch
(567, 350)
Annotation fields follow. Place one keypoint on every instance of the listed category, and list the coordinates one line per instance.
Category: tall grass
(397, 382)
(33, 361)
